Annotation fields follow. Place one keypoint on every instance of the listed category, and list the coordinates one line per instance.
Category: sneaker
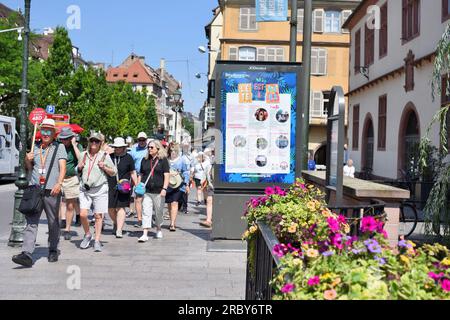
(197, 204)
(98, 246)
(166, 216)
(130, 214)
(143, 239)
(119, 234)
(67, 236)
(159, 235)
(23, 259)
(86, 242)
(53, 256)
(138, 224)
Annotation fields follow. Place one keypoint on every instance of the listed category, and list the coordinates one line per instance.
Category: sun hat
(175, 179)
(97, 136)
(66, 133)
(49, 124)
(119, 143)
(142, 135)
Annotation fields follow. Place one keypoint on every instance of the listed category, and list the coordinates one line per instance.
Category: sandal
(206, 224)
(172, 229)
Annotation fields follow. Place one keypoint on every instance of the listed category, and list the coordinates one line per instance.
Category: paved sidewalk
(176, 267)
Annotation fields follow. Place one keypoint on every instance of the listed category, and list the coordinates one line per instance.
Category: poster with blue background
(271, 10)
(258, 117)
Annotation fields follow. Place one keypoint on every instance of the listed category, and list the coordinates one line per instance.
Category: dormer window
(125, 75)
(135, 75)
(115, 75)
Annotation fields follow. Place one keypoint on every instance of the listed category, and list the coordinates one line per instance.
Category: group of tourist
(112, 179)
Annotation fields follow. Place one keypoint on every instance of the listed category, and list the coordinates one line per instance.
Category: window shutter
(271, 54)
(300, 18)
(355, 128)
(280, 54)
(404, 19)
(322, 64)
(243, 19)
(357, 51)
(314, 61)
(318, 18)
(344, 17)
(233, 53)
(416, 10)
(261, 54)
(382, 108)
(317, 104)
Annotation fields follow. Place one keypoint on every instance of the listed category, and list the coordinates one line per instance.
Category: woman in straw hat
(95, 167)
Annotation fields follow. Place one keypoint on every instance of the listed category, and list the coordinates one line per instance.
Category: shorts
(118, 200)
(96, 197)
(71, 188)
(210, 191)
(198, 183)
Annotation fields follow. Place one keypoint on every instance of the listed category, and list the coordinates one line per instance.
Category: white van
(9, 148)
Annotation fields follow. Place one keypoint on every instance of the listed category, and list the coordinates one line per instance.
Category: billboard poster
(271, 10)
(259, 115)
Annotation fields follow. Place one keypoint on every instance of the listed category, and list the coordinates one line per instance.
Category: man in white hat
(139, 152)
(50, 178)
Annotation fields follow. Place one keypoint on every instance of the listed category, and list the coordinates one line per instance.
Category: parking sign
(51, 109)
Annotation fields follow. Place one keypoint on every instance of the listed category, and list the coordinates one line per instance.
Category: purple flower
(380, 260)
(336, 240)
(328, 253)
(269, 191)
(289, 287)
(373, 246)
(357, 251)
(313, 281)
(404, 244)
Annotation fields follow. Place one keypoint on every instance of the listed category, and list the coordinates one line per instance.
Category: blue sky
(110, 30)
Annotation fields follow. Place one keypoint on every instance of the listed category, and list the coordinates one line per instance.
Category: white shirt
(200, 170)
(349, 171)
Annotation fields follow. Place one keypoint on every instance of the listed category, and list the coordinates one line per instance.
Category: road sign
(37, 116)
(61, 120)
(51, 109)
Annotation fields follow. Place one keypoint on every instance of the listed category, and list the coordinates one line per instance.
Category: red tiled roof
(136, 73)
(42, 44)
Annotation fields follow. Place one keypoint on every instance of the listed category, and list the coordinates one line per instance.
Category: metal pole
(19, 222)
(306, 83)
(293, 42)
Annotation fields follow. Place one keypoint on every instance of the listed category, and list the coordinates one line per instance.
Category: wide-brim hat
(48, 124)
(119, 143)
(175, 179)
(97, 136)
(66, 133)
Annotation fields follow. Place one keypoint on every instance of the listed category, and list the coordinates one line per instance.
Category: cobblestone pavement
(176, 267)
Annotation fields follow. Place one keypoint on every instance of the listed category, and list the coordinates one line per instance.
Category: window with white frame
(233, 53)
(333, 22)
(270, 54)
(261, 54)
(318, 18)
(300, 19)
(247, 54)
(318, 61)
(317, 103)
(247, 19)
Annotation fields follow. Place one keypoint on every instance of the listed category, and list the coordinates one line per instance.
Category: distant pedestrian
(346, 154)
(178, 185)
(209, 194)
(139, 152)
(71, 185)
(199, 174)
(154, 182)
(120, 185)
(349, 169)
(95, 167)
(49, 177)
(188, 160)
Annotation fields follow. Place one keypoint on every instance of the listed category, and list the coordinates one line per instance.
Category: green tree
(432, 159)
(188, 125)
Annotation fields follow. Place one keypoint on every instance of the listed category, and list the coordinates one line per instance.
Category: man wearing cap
(71, 185)
(139, 152)
(38, 163)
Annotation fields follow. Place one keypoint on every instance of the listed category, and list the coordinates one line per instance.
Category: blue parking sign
(51, 109)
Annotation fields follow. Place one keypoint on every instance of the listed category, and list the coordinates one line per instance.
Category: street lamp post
(176, 109)
(19, 222)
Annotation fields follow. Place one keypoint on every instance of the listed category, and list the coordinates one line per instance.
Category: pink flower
(434, 276)
(280, 191)
(333, 224)
(269, 191)
(385, 234)
(342, 219)
(254, 203)
(445, 285)
(336, 240)
(330, 295)
(369, 224)
(289, 287)
(313, 281)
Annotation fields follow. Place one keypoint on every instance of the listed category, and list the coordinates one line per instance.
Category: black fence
(262, 263)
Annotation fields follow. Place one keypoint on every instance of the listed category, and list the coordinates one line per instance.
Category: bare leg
(84, 221)
(173, 213)
(209, 209)
(70, 210)
(98, 226)
(120, 218)
(138, 207)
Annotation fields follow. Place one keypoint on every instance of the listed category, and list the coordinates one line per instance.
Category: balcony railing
(262, 263)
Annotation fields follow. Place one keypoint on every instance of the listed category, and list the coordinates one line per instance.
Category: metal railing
(262, 262)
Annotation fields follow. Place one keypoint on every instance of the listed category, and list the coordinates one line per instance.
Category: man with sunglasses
(71, 185)
(38, 163)
(139, 152)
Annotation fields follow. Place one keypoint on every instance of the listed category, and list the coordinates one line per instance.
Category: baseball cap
(142, 135)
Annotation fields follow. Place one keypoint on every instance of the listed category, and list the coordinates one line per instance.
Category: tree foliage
(188, 125)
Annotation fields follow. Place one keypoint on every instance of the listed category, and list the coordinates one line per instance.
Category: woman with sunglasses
(94, 169)
(154, 175)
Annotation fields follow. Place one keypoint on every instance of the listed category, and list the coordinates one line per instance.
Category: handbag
(33, 197)
(123, 185)
(140, 188)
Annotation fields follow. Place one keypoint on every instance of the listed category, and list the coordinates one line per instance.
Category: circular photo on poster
(261, 115)
(239, 142)
(284, 165)
(262, 143)
(282, 116)
(282, 142)
(261, 161)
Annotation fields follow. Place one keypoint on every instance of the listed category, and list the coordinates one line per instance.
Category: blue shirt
(138, 153)
(311, 165)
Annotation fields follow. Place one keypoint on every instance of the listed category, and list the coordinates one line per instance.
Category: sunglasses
(142, 140)
(46, 132)
(95, 141)
(151, 148)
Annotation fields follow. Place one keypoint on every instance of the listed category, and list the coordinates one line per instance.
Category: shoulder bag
(33, 197)
(140, 188)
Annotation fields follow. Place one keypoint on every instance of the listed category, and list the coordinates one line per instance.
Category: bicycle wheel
(408, 220)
